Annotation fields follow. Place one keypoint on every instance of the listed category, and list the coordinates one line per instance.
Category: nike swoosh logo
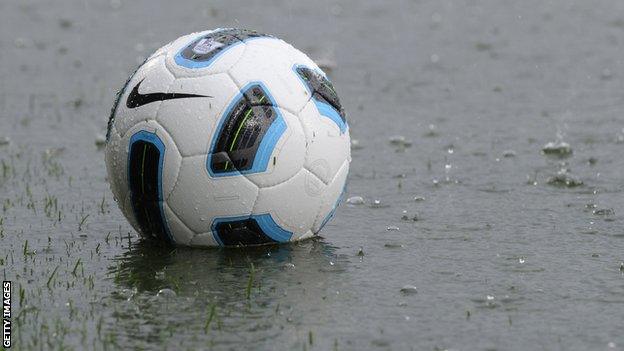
(136, 99)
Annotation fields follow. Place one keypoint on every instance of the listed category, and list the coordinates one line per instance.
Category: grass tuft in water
(82, 222)
(250, 281)
(211, 315)
(51, 277)
(76, 266)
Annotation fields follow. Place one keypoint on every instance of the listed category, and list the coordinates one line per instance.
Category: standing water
(485, 195)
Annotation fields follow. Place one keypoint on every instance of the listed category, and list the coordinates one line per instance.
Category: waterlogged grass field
(78, 287)
(485, 197)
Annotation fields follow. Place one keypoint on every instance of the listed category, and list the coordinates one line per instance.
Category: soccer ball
(227, 138)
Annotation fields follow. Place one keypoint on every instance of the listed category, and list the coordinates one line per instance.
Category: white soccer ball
(227, 137)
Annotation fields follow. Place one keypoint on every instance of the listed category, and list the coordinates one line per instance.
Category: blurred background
(484, 202)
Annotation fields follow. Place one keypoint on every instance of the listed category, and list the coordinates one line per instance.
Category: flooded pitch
(483, 210)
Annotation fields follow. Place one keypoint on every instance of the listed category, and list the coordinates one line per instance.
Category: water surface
(510, 249)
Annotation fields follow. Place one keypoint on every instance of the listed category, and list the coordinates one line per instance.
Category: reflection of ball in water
(227, 137)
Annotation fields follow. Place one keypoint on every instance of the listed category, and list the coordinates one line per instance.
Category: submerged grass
(211, 316)
(250, 281)
(52, 277)
(76, 266)
(82, 222)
